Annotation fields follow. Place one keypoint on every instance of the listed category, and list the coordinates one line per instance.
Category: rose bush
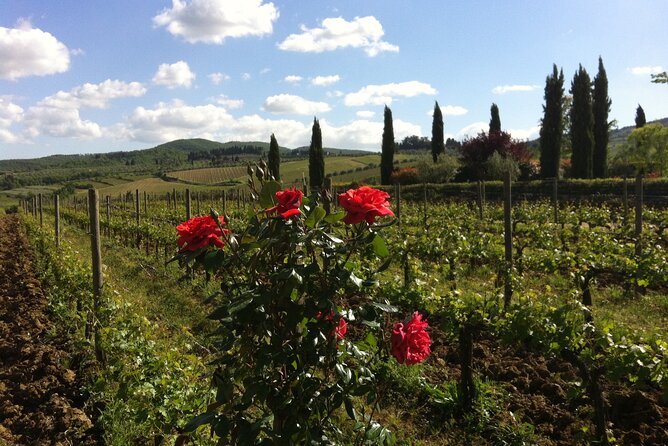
(364, 204)
(411, 344)
(287, 374)
(200, 232)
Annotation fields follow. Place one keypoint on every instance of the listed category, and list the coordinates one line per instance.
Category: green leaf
(356, 280)
(379, 246)
(315, 216)
(336, 216)
(268, 193)
(385, 307)
(350, 409)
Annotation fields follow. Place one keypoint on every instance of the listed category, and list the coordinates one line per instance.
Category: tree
(552, 124)
(582, 125)
(476, 153)
(387, 152)
(660, 78)
(274, 159)
(601, 109)
(640, 117)
(316, 158)
(437, 143)
(495, 121)
(647, 149)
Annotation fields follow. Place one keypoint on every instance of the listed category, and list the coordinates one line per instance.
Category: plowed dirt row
(40, 403)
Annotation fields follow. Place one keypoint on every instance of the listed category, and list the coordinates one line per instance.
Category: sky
(97, 76)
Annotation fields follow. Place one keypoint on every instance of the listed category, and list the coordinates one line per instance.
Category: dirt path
(38, 395)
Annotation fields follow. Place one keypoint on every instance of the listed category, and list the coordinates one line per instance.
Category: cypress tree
(640, 117)
(316, 159)
(552, 124)
(582, 125)
(495, 120)
(274, 159)
(437, 143)
(601, 109)
(387, 153)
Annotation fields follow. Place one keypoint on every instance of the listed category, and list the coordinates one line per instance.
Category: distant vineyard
(213, 175)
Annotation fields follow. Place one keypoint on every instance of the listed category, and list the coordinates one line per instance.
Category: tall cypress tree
(601, 109)
(437, 142)
(387, 153)
(316, 159)
(640, 117)
(495, 120)
(274, 159)
(582, 125)
(552, 125)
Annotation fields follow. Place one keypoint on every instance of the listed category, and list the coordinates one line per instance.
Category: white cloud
(212, 21)
(647, 70)
(334, 94)
(288, 103)
(265, 70)
(530, 133)
(174, 120)
(323, 81)
(293, 79)
(384, 94)
(10, 114)
(472, 130)
(229, 103)
(218, 77)
(452, 110)
(364, 134)
(58, 115)
(335, 33)
(246, 76)
(27, 51)
(366, 114)
(94, 95)
(174, 75)
(503, 89)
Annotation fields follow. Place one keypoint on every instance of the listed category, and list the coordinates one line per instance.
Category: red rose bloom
(410, 342)
(364, 203)
(340, 330)
(289, 201)
(199, 232)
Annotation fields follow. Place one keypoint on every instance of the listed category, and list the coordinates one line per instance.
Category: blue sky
(94, 76)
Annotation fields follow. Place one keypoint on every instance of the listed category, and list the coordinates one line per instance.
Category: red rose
(410, 342)
(340, 330)
(199, 232)
(364, 203)
(289, 201)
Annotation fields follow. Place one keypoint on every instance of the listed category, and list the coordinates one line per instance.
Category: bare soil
(40, 400)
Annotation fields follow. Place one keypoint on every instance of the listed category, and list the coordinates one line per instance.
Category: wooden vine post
(96, 251)
(480, 203)
(56, 213)
(638, 220)
(326, 195)
(625, 198)
(137, 218)
(188, 208)
(508, 238)
(41, 214)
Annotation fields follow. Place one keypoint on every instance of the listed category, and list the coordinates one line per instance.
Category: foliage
(406, 175)
(437, 143)
(601, 109)
(476, 151)
(441, 172)
(274, 159)
(552, 124)
(495, 120)
(316, 158)
(647, 149)
(413, 143)
(582, 126)
(660, 78)
(387, 150)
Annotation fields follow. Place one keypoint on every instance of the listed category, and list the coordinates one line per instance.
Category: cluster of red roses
(410, 342)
